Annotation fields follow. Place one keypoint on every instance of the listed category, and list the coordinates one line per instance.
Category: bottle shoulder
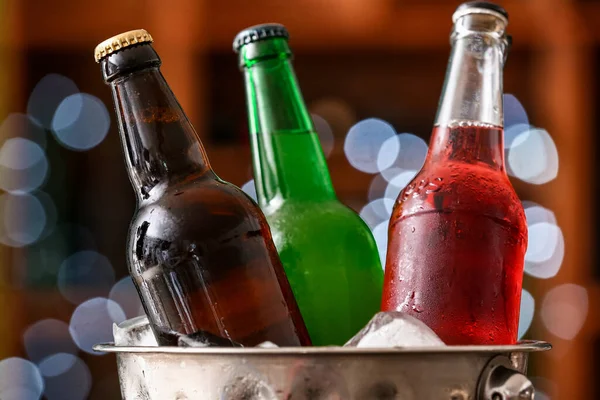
(310, 211)
(201, 211)
(318, 224)
(200, 197)
(464, 187)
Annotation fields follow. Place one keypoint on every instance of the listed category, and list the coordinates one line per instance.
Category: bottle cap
(479, 7)
(259, 32)
(121, 41)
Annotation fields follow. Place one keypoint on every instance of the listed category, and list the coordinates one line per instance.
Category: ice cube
(267, 345)
(395, 329)
(204, 339)
(134, 332)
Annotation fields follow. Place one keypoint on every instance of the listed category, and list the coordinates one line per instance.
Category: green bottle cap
(257, 33)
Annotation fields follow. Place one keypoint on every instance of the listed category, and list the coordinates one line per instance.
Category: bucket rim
(526, 346)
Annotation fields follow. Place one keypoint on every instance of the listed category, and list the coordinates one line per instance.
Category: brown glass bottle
(199, 249)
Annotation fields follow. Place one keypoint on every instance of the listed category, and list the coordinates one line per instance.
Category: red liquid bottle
(458, 235)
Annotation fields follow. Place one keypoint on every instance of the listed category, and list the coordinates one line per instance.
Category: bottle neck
(471, 101)
(288, 159)
(161, 147)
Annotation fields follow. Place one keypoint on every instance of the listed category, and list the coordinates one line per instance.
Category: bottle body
(199, 249)
(332, 264)
(457, 242)
(201, 257)
(457, 236)
(328, 252)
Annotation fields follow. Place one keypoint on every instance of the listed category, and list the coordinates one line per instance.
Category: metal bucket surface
(325, 373)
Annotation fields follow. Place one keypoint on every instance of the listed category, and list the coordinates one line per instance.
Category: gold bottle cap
(121, 41)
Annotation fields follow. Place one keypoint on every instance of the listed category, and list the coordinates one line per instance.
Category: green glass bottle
(328, 252)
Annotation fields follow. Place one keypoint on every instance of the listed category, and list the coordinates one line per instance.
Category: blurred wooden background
(354, 59)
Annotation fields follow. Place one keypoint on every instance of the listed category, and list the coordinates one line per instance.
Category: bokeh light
(539, 395)
(66, 377)
(380, 233)
(411, 156)
(47, 95)
(325, 134)
(20, 380)
(535, 214)
(396, 185)
(544, 388)
(24, 219)
(364, 141)
(22, 126)
(546, 244)
(337, 112)
(377, 187)
(510, 134)
(250, 189)
(91, 323)
(388, 153)
(564, 310)
(50, 211)
(84, 275)
(526, 313)
(56, 364)
(23, 165)
(514, 112)
(515, 119)
(47, 337)
(533, 157)
(531, 154)
(545, 250)
(81, 122)
(125, 295)
(376, 212)
(45, 257)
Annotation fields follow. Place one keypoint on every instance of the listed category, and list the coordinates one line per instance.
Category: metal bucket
(327, 373)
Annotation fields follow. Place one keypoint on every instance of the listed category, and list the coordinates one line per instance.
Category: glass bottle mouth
(480, 7)
(488, 24)
(129, 60)
(255, 52)
(257, 33)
